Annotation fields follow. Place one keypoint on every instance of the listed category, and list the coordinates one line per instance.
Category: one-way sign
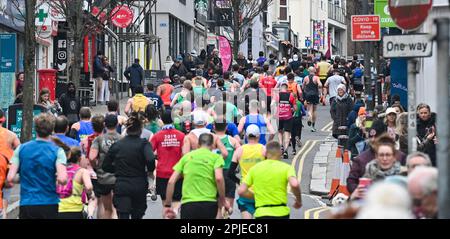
(406, 46)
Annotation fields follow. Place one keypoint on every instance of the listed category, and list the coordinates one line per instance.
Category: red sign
(99, 15)
(366, 28)
(122, 16)
(409, 15)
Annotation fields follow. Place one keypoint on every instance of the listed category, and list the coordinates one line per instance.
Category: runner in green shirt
(269, 180)
(202, 171)
(231, 144)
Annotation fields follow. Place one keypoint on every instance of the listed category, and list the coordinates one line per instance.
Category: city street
(96, 95)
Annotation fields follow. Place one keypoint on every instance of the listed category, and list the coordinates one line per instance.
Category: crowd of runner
(197, 140)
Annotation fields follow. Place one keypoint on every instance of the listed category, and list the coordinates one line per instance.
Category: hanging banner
(8, 46)
(226, 53)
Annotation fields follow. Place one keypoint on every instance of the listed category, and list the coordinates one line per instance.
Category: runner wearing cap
(200, 120)
(246, 157)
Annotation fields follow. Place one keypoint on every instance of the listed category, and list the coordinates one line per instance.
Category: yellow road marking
(302, 161)
(327, 126)
(305, 146)
(307, 212)
(317, 213)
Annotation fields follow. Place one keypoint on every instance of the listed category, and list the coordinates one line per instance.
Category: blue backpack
(358, 73)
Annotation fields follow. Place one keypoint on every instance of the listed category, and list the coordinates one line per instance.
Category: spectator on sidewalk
(423, 188)
(386, 201)
(135, 75)
(38, 197)
(106, 84)
(340, 108)
(358, 166)
(177, 68)
(70, 104)
(426, 131)
(358, 134)
(19, 82)
(417, 159)
(99, 71)
(383, 165)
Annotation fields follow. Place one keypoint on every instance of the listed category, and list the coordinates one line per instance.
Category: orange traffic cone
(339, 151)
(344, 172)
(336, 173)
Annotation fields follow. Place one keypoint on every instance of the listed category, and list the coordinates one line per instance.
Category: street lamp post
(443, 116)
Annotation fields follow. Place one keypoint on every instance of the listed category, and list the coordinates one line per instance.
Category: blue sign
(8, 43)
(307, 43)
(399, 80)
(7, 68)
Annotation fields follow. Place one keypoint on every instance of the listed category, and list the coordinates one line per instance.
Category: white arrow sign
(404, 46)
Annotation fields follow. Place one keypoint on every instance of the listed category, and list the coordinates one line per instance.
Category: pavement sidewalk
(323, 167)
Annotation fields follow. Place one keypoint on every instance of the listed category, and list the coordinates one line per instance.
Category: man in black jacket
(134, 74)
(70, 104)
(177, 68)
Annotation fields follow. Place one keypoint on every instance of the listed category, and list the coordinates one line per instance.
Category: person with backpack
(138, 102)
(131, 160)
(78, 186)
(357, 79)
(8, 143)
(104, 185)
(41, 165)
(286, 106)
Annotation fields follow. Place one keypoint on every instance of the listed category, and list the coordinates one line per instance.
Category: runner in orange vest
(8, 142)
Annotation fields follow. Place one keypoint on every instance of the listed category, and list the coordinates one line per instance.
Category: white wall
(427, 78)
